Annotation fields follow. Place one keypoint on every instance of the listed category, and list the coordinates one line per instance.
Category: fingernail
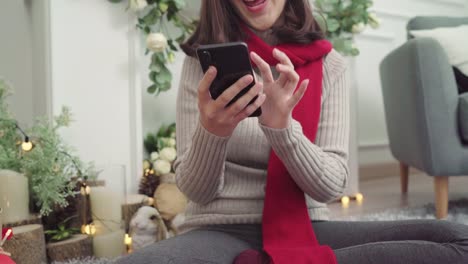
(211, 70)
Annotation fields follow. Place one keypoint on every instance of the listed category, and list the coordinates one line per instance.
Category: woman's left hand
(281, 94)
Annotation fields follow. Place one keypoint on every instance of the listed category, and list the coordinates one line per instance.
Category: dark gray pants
(396, 242)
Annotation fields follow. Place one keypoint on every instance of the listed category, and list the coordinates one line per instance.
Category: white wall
(15, 57)
(374, 45)
(93, 72)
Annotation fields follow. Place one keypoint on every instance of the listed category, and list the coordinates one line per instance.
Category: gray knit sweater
(224, 177)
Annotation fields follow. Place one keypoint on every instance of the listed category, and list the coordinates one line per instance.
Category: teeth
(253, 2)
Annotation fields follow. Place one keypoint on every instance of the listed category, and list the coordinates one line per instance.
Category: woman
(224, 156)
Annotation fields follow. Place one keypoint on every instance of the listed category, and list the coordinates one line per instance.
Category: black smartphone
(232, 61)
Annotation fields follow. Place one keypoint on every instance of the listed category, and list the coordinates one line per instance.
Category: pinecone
(148, 184)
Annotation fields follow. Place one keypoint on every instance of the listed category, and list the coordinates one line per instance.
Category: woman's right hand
(215, 116)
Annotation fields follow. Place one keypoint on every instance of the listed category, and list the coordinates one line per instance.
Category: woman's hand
(215, 116)
(281, 97)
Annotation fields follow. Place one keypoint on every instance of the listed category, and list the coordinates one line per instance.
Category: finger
(205, 83)
(250, 109)
(282, 57)
(226, 97)
(263, 66)
(282, 78)
(299, 93)
(242, 102)
(289, 75)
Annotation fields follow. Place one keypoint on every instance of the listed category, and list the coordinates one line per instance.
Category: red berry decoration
(4, 231)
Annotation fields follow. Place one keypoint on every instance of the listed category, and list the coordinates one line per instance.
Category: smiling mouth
(254, 3)
(255, 6)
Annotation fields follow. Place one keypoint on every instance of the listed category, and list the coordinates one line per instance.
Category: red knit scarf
(288, 237)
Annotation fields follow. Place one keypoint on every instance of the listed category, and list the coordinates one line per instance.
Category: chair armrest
(420, 100)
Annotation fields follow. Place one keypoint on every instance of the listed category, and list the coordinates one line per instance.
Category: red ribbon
(4, 231)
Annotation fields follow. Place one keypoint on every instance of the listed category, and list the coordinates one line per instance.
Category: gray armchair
(427, 120)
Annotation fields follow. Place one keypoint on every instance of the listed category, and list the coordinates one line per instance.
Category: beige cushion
(454, 41)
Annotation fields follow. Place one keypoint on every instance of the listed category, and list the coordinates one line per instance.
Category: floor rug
(458, 212)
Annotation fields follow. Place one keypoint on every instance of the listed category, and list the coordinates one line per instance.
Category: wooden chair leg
(404, 177)
(441, 186)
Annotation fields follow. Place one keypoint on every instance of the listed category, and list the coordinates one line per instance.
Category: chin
(261, 25)
(259, 14)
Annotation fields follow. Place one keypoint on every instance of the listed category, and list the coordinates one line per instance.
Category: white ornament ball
(162, 167)
(156, 42)
(138, 5)
(168, 154)
(154, 156)
(358, 28)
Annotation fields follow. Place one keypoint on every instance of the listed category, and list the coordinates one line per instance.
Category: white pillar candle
(110, 245)
(106, 207)
(14, 196)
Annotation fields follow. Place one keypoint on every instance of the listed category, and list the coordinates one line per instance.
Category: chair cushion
(453, 40)
(463, 116)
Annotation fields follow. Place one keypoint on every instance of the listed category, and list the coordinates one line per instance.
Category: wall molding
(455, 3)
(378, 35)
(136, 105)
(394, 14)
(374, 145)
(376, 171)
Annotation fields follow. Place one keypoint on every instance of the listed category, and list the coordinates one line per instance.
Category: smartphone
(232, 61)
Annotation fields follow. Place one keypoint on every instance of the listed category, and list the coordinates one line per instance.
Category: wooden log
(131, 206)
(27, 246)
(78, 246)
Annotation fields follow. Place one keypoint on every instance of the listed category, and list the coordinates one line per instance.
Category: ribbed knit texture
(224, 177)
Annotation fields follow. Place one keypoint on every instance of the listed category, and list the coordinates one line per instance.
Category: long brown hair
(219, 23)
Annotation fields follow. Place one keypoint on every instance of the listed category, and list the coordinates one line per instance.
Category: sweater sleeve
(201, 156)
(319, 169)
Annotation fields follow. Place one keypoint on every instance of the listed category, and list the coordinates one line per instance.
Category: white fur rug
(458, 212)
(87, 261)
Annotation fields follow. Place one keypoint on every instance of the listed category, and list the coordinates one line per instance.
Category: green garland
(154, 19)
(343, 19)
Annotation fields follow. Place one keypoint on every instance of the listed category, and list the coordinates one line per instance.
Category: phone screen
(232, 62)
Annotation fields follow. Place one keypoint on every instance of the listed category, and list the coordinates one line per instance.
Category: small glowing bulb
(345, 201)
(150, 201)
(27, 145)
(88, 229)
(151, 171)
(359, 198)
(128, 240)
(85, 190)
